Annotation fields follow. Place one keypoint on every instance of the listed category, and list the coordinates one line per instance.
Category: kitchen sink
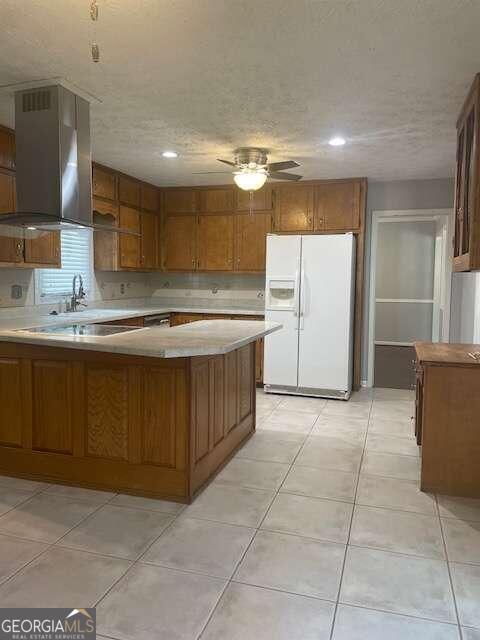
(82, 330)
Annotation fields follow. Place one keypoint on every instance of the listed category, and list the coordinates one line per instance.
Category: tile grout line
(447, 562)
(334, 617)
(257, 529)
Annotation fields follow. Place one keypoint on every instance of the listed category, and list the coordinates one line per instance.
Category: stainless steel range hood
(53, 164)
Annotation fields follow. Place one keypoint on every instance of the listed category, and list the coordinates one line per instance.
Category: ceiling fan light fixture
(250, 179)
(337, 141)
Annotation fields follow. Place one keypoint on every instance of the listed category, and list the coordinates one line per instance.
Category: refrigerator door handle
(296, 295)
(302, 296)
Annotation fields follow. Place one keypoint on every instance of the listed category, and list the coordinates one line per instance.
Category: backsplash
(208, 285)
(106, 286)
(127, 286)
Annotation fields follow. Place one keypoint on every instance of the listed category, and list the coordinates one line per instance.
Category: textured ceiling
(205, 76)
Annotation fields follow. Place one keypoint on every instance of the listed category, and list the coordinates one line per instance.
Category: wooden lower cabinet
(148, 426)
(447, 418)
(177, 319)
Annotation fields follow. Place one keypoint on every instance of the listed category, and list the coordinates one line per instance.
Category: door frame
(442, 269)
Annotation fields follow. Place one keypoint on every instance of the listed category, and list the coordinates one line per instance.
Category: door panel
(148, 198)
(181, 243)
(216, 200)
(215, 243)
(260, 200)
(281, 347)
(338, 206)
(104, 184)
(180, 201)
(294, 208)
(11, 400)
(149, 240)
(44, 250)
(326, 312)
(11, 249)
(250, 240)
(129, 191)
(129, 244)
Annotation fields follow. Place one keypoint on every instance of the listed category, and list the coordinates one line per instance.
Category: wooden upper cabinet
(180, 201)
(260, 200)
(148, 197)
(11, 249)
(250, 240)
(7, 149)
(338, 206)
(215, 242)
(149, 241)
(104, 184)
(466, 254)
(128, 191)
(181, 243)
(216, 200)
(44, 250)
(129, 244)
(294, 206)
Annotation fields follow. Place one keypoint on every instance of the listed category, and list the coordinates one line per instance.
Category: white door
(281, 305)
(326, 312)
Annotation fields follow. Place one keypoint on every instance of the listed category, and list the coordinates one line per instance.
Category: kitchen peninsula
(148, 411)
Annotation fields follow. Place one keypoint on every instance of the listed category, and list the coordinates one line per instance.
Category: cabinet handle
(320, 221)
(309, 219)
(19, 248)
(193, 263)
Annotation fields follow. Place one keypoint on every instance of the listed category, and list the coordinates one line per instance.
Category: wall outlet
(122, 289)
(16, 292)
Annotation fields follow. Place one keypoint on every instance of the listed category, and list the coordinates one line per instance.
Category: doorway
(409, 291)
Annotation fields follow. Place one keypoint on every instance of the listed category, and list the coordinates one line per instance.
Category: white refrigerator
(310, 287)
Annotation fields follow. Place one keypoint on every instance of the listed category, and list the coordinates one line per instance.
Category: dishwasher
(162, 320)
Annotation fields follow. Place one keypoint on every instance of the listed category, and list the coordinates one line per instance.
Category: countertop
(106, 315)
(438, 353)
(202, 338)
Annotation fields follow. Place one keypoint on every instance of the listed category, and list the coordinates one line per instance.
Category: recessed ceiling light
(32, 228)
(337, 141)
(170, 154)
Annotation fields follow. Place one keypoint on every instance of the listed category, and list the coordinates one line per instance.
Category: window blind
(76, 258)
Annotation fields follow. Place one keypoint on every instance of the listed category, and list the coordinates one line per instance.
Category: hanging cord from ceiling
(94, 17)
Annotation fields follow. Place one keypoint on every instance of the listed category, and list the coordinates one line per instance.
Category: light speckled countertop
(205, 337)
(106, 315)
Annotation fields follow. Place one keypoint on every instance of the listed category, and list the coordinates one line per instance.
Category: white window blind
(52, 284)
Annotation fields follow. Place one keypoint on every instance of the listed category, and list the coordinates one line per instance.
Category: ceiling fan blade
(279, 166)
(199, 173)
(280, 175)
(232, 164)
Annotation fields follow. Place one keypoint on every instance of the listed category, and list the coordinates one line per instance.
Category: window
(53, 284)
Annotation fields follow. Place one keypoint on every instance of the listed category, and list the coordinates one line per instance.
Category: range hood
(53, 164)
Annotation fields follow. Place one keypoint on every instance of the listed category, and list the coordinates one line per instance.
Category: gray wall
(398, 195)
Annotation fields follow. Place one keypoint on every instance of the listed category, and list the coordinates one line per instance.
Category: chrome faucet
(77, 295)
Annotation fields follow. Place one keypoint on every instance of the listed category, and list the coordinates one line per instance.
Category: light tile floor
(315, 530)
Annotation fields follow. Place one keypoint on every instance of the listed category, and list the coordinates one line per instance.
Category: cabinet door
(129, 244)
(44, 250)
(180, 201)
(250, 240)
(148, 197)
(11, 249)
(215, 243)
(260, 200)
(177, 319)
(216, 200)
(129, 191)
(338, 206)
(469, 176)
(294, 208)
(7, 149)
(149, 240)
(104, 184)
(105, 243)
(181, 243)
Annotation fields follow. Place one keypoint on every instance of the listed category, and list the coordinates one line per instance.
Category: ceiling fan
(252, 168)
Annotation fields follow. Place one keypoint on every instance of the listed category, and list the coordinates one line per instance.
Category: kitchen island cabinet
(448, 417)
(154, 412)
